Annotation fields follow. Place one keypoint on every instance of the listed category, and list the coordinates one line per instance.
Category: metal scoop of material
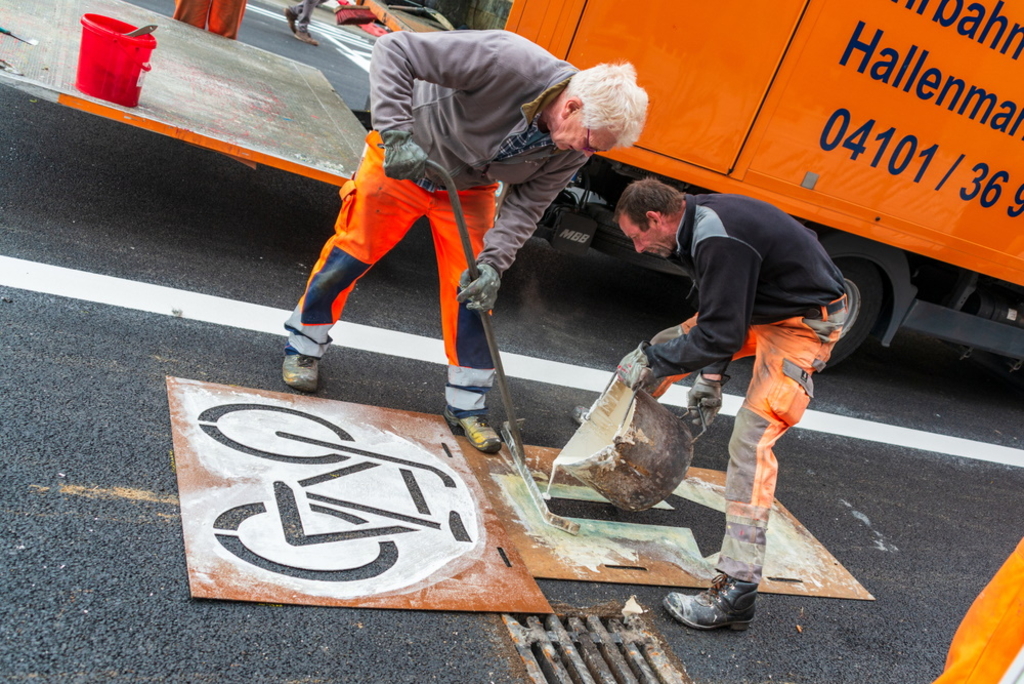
(630, 449)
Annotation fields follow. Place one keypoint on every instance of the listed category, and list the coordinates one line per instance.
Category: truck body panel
(701, 115)
(853, 64)
(898, 121)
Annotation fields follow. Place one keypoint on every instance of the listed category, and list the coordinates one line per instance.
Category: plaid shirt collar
(514, 145)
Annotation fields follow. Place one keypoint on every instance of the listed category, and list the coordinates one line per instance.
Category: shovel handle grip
(699, 410)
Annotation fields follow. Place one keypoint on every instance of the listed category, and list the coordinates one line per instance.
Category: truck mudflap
(965, 329)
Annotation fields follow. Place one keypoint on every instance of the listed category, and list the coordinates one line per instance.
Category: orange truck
(893, 128)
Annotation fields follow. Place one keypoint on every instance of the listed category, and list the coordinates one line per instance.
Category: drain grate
(592, 650)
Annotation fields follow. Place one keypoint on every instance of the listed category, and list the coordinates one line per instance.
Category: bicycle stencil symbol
(337, 510)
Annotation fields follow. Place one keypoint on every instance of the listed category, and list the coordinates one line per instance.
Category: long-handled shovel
(510, 429)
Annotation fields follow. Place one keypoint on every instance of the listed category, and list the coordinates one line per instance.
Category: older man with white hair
(490, 107)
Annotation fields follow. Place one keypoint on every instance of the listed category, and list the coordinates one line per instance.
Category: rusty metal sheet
(608, 551)
(203, 88)
(295, 499)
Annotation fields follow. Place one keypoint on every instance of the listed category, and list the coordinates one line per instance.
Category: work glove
(403, 158)
(706, 396)
(482, 292)
(634, 369)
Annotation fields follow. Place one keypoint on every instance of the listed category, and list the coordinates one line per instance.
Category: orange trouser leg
(226, 17)
(470, 366)
(992, 632)
(785, 355)
(193, 12)
(218, 16)
(478, 210)
(376, 214)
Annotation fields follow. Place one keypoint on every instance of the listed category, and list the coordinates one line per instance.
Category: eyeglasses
(587, 149)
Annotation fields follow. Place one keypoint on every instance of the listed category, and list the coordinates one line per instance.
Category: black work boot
(728, 602)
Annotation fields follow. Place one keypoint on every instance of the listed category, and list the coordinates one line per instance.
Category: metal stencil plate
(295, 499)
(623, 552)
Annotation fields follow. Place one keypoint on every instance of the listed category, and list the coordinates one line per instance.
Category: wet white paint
(379, 497)
(610, 415)
(602, 543)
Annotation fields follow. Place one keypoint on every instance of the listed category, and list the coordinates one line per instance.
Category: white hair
(612, 100)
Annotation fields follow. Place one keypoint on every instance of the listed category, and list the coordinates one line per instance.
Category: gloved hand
(634, 369)
(706, 395)
(403, 158)
(482, 292)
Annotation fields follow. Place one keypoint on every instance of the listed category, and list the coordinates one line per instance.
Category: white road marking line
(129, 294)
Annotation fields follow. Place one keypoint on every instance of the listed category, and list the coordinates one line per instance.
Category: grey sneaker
(300, 372)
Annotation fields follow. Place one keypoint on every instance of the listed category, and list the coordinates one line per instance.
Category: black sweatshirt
(751, 264)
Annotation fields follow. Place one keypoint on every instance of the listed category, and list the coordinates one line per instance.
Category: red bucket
(110, 64)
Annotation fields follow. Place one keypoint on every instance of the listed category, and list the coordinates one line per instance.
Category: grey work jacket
(461, 93)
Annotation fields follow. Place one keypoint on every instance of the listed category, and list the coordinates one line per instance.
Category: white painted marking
(64, 282)
(369, 508)
(880, 542)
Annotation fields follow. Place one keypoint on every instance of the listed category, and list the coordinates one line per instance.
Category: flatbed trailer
(204, 89)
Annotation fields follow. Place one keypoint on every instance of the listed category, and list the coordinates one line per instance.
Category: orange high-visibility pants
(376, 213)
(223, 17)
(992, 632)
(785, 354)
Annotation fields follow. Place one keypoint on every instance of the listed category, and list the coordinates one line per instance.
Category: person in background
(489, 107)
(223, 17)
(298, 16)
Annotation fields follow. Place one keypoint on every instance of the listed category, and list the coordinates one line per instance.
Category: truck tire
(864, 293)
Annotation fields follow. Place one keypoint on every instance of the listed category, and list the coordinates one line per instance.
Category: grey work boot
(728, 602)
(300, 372)
(476, 430)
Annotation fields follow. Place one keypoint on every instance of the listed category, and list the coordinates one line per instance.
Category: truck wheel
(864, 294)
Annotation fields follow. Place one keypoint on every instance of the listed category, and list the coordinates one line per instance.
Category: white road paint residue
(880, 543)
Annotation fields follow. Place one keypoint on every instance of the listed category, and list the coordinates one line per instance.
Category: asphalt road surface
(93, 575)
